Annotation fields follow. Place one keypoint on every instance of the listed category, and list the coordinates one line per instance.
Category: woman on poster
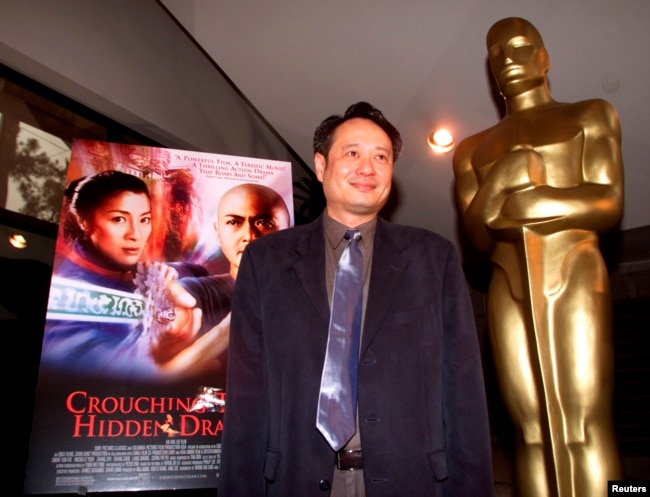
(105, 229)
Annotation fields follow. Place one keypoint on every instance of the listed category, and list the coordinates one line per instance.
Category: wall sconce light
(18, 241)
(441, 141)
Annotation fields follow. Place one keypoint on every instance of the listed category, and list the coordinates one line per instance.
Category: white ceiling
(423, 63)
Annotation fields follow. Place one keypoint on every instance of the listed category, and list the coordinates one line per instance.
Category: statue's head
(518, 59)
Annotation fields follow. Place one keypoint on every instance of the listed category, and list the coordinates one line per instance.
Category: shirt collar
(334, 230)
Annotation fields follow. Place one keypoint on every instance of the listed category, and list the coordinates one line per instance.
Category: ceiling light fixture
(18, 241)
(441, 141)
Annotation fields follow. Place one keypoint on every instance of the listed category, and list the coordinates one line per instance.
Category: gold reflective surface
(534, 191)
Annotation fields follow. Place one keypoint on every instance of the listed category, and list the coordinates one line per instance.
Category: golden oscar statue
(534, 191)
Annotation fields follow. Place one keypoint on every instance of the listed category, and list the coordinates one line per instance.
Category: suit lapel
(310, 268)
(388, 267)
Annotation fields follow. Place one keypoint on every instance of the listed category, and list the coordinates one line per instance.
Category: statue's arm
(481, 201)
(596, 203)
(470, 204)
(603, 164)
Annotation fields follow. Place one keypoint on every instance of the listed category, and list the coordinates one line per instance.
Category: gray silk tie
(337, 402)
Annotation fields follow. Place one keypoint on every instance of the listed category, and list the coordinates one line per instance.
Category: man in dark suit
(422, 423)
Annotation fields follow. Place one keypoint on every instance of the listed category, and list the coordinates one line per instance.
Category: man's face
(244, 214)
(357, 172)
(517, 57)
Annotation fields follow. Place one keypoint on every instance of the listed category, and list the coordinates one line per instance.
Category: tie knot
(352, 234)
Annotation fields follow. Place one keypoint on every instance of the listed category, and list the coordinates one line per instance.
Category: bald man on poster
(534, 191)
(198, 339)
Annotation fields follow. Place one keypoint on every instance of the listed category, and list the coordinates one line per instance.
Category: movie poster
(131, 389)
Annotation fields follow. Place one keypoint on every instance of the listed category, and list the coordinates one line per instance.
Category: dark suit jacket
(422, 408)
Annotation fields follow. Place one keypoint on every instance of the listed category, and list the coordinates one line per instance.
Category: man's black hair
(324, 134)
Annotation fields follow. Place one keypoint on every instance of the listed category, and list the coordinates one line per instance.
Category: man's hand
(182, 331)
(205, 355)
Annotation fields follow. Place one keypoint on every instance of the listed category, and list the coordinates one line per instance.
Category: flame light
(18, 241)
(441, 141)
